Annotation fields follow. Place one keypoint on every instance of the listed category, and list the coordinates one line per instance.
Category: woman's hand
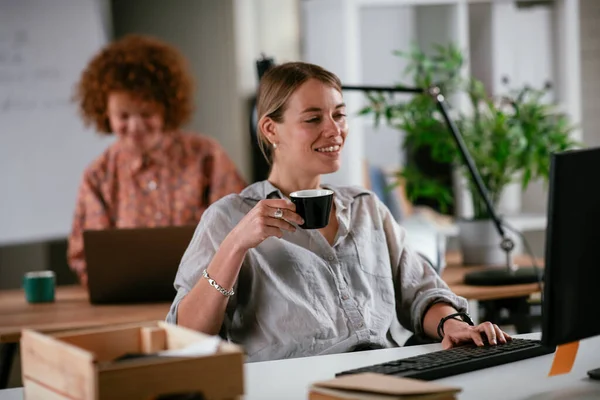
(458, 332)
(268, 218)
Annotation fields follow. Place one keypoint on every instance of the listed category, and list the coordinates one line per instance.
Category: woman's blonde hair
(277, 86)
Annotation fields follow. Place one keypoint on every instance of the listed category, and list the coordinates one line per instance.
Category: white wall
(384, 29)
(330, 35)
(44, 145)
(480, 41)
(269, 27)
(590, 71)
(523, 45)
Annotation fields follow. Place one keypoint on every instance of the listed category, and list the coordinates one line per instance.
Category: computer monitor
(572, 264)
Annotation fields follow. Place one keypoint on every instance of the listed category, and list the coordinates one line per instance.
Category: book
(371, 386)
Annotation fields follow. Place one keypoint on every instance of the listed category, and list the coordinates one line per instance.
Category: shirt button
(345, 297)
(152, 185)
(330, 258)
(361, 325)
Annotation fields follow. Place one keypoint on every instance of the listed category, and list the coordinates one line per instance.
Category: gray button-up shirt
(300, 296)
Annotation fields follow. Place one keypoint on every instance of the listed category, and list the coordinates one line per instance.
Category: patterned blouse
(172, 186)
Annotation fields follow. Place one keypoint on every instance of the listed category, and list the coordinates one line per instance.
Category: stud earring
(274, 145)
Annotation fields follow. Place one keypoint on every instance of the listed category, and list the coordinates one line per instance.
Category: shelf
(406, 3)
(416, 3)
(526, 222)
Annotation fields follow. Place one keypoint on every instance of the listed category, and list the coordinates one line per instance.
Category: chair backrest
(423, 235)
(380, 184)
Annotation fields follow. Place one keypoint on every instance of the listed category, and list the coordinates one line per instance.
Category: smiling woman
(139, 89)
(293, 292)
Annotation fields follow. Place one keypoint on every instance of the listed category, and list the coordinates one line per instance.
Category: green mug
(39, 286)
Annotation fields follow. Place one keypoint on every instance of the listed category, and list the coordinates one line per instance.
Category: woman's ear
(269, 128)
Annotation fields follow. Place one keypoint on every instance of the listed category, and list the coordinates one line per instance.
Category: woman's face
(313, 130)
(138, 123)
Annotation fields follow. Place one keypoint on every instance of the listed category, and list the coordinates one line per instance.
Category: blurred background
(504, 44)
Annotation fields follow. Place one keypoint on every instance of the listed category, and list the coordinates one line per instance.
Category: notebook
(370, 386)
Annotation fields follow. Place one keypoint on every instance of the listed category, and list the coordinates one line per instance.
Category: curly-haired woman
(139, 89)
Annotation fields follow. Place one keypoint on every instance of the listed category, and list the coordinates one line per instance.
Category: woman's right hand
(263, 221)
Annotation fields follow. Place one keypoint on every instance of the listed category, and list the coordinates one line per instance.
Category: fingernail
(301, 221)
(494, 341)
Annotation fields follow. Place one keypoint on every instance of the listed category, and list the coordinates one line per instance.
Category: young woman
(139, 89)
(252, 275)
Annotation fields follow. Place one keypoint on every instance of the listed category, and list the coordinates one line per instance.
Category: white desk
(528, 379)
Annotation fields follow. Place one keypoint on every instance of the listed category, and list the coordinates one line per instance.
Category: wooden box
(81, 365)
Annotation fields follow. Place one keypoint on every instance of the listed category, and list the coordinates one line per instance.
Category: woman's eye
(312, 120)
(340, 116)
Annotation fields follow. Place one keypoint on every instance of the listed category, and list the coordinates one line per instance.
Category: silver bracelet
(211, 281)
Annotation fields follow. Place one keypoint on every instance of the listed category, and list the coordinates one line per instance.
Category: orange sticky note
(564, 358)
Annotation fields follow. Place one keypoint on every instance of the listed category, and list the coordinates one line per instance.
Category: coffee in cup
(314, 206)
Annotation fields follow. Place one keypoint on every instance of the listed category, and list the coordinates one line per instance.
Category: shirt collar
(137, 161)
(265, 189)
(261, 190)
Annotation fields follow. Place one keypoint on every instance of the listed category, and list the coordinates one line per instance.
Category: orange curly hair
(143, 66)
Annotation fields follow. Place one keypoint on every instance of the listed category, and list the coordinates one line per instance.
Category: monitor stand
(594, 374)
(502, 276)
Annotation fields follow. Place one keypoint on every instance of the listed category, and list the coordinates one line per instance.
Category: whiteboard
(44, 147)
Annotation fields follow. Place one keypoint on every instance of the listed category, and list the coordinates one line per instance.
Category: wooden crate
(79, 365)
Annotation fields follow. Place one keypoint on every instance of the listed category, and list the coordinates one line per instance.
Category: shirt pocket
(373, 253)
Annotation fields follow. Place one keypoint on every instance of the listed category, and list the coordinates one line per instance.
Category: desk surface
(527, 379)
(454, 275)
(71, 310)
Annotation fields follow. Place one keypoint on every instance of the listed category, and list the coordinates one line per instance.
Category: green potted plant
(510, 139)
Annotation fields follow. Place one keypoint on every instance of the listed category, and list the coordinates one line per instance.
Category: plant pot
(509, 203)
(463, 200)
(480, 243)
(510, 199)
(421, 158)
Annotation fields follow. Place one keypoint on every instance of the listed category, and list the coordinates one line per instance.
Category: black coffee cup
(314, 206)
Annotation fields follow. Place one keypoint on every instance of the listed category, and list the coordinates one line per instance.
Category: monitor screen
(572, 264)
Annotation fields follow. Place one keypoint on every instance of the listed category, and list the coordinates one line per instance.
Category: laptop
(134, 265)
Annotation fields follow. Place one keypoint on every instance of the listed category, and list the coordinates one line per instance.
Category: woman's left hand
(458, 332)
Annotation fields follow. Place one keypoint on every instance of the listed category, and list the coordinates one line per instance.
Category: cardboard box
(83, 365)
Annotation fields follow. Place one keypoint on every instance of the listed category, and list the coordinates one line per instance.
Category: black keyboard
(457, 360)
